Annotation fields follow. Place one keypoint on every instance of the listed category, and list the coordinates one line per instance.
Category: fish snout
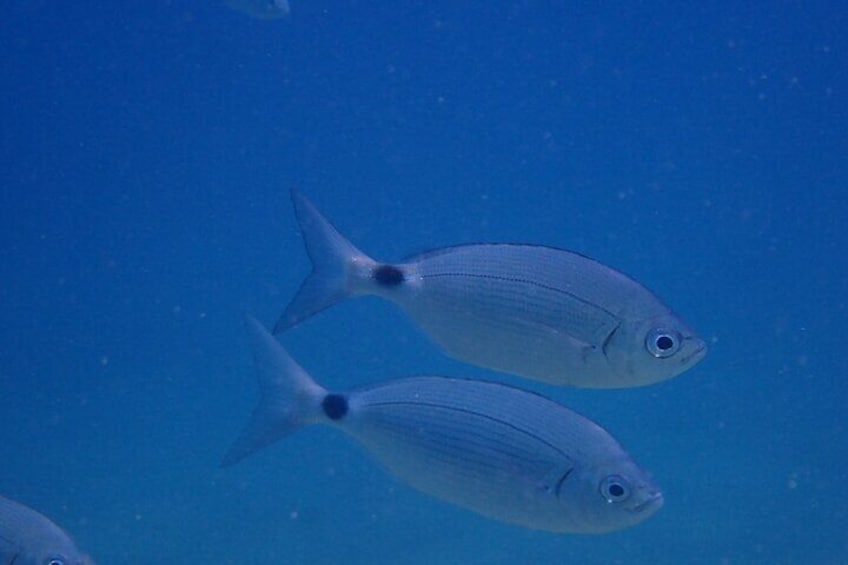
(699, 350)
(651, 504)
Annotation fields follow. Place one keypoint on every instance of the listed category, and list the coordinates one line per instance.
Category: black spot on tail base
(388, 275)
(335, 406)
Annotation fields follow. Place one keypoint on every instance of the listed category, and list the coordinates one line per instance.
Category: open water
(146, 153)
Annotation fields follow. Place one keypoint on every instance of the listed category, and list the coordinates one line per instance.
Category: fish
(261, 9)
(502, 452)
(27, 537)
(534, 311)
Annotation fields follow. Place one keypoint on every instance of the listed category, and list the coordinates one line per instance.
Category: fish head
(647, 351)
(613, 495)
(55, 550)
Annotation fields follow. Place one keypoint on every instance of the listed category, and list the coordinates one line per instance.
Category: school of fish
(505, 453)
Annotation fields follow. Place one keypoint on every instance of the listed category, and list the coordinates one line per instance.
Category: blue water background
(147, 153)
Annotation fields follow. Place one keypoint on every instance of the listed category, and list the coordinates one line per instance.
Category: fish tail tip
(283, 324)
(287, 396)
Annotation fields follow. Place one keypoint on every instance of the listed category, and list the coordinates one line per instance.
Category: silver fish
(261, 9)
(534, 311)
(502, 452)
(30, 538)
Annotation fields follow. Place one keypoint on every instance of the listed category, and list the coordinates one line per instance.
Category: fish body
(261, 9)
(30, 538)
(499, 451)
(534, 311)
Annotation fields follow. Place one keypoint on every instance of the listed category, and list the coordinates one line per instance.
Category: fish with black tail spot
(534, 311)
(499, 451)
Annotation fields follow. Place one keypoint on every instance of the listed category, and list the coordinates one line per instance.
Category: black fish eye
(662, 343)
(615, 489)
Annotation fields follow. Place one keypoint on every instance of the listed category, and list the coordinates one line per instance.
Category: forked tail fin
(289, 399)
(332, 258)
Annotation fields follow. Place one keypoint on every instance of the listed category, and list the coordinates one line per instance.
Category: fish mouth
(697, 354)
(652, 503)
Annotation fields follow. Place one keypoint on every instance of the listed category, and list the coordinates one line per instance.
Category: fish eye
(615, 488)
(56, 561)
(662, 343)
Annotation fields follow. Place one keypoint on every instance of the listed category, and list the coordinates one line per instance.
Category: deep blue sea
(147, 150)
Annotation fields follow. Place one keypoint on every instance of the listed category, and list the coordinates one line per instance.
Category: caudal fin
(289, 399)
(332, 258)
